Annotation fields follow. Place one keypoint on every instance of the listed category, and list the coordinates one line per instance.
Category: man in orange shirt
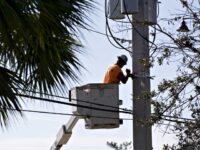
(114, 74)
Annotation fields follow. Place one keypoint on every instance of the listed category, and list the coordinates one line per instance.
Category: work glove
(128, 72)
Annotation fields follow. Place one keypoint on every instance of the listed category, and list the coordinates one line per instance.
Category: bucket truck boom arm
(64, 133)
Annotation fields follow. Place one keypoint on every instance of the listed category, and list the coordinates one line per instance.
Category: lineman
(114, 74)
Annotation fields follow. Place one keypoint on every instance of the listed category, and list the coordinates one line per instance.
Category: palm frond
(39, 45)
(9, 103)
(41, 42)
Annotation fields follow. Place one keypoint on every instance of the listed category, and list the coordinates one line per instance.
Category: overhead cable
(72, 104)
(110, 32)
(138, 32)
(67, 114)
(105, 34)
(79, 100)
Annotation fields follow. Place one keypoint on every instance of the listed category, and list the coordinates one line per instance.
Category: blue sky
(38, 131)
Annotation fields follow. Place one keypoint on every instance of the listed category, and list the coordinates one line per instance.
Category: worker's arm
(124, 78)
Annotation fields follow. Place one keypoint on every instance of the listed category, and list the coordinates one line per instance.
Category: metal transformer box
(129, 6)
(98, 104)
(151, 15)
(114, 10)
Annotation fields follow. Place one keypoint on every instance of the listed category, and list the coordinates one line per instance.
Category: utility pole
(142, 136)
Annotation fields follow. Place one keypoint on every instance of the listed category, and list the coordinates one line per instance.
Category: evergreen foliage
(39, 43)
(176, 102)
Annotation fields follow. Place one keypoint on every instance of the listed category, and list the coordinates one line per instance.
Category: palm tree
(38, 48)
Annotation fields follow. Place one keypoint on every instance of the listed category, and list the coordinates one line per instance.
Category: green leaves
(39, 44)
(9, 103)
(177, 100)
(123, 146)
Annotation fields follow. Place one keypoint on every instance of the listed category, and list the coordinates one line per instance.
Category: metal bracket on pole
(143, 76)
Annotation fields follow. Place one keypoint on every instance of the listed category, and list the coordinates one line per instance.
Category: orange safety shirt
(112, 74)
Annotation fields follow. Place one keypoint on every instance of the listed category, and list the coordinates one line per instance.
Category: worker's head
(122, 60)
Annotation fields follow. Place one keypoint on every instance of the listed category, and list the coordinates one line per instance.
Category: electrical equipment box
(151, 15)
(98, 104)
(114, 10)
(129, 6)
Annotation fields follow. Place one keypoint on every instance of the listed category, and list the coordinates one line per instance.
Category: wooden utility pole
(142, 136)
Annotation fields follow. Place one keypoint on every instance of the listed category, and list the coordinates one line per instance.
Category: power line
(95, 108)
(90, 116)
(79, 100)
(108, 27)
(138, 32)
(115, 39)
(96, 31)
(178, 118)
(105, 34)
(71, 104)
(66, 114)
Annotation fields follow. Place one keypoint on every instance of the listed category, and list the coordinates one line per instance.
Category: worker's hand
(128, 72)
